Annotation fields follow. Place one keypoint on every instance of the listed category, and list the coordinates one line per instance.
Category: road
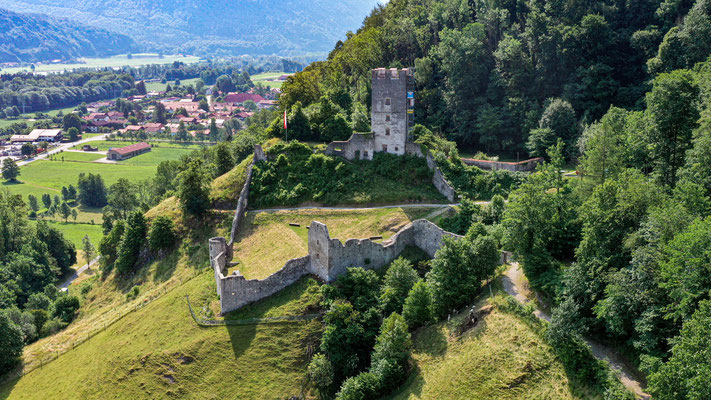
(63, 147)
(513, 285)
(76, 274)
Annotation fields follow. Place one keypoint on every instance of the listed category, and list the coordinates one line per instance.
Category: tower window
(387, 131)
(396, 148)
(387, 117)
(387, 101)
(385, 147)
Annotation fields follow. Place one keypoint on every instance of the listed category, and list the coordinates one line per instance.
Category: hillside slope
(29, 38)
(201, 26)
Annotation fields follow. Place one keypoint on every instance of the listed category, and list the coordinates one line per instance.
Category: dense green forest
(203, 27)
(621, 89)
(493, 75)
(30, 38)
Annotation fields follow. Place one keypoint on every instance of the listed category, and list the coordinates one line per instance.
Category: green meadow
(49, 176)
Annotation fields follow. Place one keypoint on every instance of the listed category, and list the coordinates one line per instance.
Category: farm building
(133, 150)
(39, 135)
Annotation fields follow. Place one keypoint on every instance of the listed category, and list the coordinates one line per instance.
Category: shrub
(398, 281)
(10, 343)
(320, 373)
(65, 307)
(417, 309)
(364, 386)
(162, 234)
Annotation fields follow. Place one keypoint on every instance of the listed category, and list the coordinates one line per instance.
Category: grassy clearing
(269, 79)
(120, 60)
(78, 157)
(104, 145)
(266, 241)
(160, 87)
(503, 357)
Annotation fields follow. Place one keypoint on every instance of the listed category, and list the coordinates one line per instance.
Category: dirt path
(514, 284)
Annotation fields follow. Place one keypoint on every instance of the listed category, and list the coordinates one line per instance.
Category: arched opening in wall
(357, 154)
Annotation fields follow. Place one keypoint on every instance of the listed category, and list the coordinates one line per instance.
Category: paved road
(512, 282)
(76, 274)
(63, 147)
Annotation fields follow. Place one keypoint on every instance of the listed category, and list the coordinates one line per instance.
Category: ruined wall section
(521, 166)
(236, 291)
(243, 196)
(438, 179)
(360, 146)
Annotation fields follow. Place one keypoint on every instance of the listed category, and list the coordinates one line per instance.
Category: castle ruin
(327, 259)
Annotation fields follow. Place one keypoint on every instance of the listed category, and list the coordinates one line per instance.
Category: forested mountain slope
(202, 26)
(488, 73)
(29, 38)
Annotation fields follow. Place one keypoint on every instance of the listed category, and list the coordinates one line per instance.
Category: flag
(284, 119)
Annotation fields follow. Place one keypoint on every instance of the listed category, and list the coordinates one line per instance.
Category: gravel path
(513, 285)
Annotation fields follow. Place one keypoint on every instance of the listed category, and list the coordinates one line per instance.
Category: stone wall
(328, 259)
(243, 197)
(360, 146)
(523, 166)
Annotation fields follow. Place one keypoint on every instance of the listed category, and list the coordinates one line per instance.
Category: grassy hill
(503, 357)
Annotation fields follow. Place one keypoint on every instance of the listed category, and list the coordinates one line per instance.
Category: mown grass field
(49, 176)
(269, 79)
(120, 60)
(266, 240)
(160, 87)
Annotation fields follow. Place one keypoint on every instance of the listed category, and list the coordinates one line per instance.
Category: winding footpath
(513, 285)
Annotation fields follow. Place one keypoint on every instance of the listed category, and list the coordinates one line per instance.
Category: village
(160, 115)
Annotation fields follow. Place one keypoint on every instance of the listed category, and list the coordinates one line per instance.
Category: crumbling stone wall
(328, 259)
(523, 166)
(360, 146)
(243, 196)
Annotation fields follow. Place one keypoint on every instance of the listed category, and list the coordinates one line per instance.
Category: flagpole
(286, 130)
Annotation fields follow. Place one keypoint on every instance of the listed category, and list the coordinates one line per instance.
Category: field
(266, 76)
(503, 357)
(266, 241)
(160, 87)
(49, 176)
(112, 62)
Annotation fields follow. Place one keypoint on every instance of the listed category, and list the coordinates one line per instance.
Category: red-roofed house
(152, 127)
(239, 98)
(123, 153)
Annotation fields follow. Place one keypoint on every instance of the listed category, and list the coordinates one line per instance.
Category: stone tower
(392, 111)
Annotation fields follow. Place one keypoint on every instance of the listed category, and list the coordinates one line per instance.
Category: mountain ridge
(203, 27)
(33, 37)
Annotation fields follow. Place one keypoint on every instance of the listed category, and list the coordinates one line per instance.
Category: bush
(398, 281)
(10, 343)
(364, 386)
(320, 373)
(65, 307)
(417, 310)
(298, 175)
(162, 234)
(458, 269)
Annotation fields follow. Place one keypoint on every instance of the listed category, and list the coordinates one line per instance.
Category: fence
(104, 321)
(247, 321)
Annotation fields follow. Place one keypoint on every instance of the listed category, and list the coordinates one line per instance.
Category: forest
(620, 91)
(488, 72)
